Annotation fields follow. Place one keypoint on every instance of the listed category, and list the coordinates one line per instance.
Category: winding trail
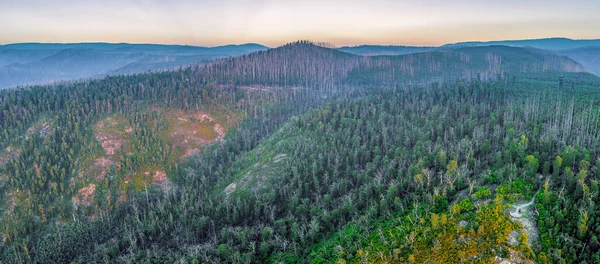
(517, 212)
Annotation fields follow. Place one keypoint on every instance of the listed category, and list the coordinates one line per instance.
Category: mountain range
(38, 63)
(306, 154)
(42, 63)
(586, 51)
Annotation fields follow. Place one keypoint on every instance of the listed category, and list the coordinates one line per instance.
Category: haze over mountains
(307, 65)
(39, 63)
(585, 52)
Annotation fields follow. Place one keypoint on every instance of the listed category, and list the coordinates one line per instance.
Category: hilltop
(39, 63)
(305, 64)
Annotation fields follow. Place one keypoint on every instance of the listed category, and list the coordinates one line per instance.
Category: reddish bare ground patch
(256, 87)
(190, 152)
(122, 196)
(110, 143)
(188, 132)
(110, 136)
(85, 195)
(102, 164)
(7, 155)
(220, 131)
(160, 179)
(11, 201)
(41, 129)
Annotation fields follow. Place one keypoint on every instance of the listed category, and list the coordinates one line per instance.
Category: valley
(307, 154)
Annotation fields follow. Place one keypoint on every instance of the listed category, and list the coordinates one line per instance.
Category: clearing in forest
(187, 132)
(7, 155)
(523, 213)
(41, 128)
(113, 138)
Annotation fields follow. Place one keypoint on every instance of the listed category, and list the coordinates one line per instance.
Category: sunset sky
(275, 22)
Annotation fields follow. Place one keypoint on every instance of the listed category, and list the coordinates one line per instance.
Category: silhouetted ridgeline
(305, 64)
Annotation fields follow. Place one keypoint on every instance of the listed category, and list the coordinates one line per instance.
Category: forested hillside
(377, 50)
(305, 64)
(584, 52)
(305, 154)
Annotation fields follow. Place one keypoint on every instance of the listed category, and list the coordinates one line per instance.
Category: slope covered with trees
(308, 65)
(378, 50)
(325, 157)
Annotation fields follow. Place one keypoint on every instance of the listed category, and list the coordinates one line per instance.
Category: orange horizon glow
(273, 23)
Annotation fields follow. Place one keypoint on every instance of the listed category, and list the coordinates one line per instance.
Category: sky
(276, 22)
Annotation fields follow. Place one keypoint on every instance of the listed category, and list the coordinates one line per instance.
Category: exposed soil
(524, 214)
(515, 258)
(11, 201)
(7, 155)
(257, 177)
(85, 195)
(160, 179)
(188, 132)
(111, 136)
(103, 164)
(110, 142)
(230, 188)
(41, 129)
(279, 157)
(256, 87)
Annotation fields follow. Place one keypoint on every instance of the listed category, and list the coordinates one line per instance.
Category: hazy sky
(275, 22)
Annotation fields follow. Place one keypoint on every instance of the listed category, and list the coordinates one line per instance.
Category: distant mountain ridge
(584, 51)
(553, 44)
(36, 63)
(308, 65)
(589, 57)
(117, 46)
(373, 50)
(40, 63)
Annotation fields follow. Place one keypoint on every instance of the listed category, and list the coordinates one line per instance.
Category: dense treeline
(308, 65)
(289, 183)
(355, 161)
(49, 132)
